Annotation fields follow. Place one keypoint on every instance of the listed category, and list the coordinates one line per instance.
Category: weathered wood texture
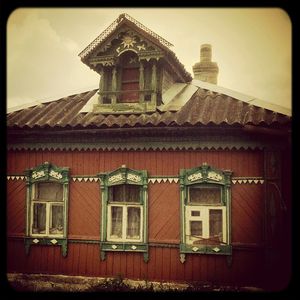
(83, 259)
(242, 163)
(164, 220)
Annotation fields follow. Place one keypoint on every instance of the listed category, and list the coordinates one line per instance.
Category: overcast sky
(251, 46)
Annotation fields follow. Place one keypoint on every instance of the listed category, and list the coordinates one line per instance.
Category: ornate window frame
(46, 173)
(203, 177)
(122, 176)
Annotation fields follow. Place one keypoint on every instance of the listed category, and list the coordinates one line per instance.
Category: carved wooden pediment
(124, 39)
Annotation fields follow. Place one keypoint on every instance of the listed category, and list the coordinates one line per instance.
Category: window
(125, 214)
(47, 203)
(129, 79)
(124, 211)
(205, 216)
(47, 209)
(205, 211)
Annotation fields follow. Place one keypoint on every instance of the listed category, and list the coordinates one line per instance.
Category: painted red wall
(164, 220)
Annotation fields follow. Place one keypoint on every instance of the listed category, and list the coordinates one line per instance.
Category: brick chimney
(206, 70)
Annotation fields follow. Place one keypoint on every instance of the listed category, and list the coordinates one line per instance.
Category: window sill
(48, 241)
(117, 108)
(130, 246)
(124, 247)
(206, 249)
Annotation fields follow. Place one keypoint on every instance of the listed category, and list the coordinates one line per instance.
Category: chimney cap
(205, 69)
(206, 46)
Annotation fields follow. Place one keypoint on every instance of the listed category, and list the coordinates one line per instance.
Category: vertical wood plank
(158, 263)
(174, 255)
(151, 263)
(117, 264)
(129, 265)
(137, 257)
(90, 261)
(144, 268)
(166, 253)
(188, 268)
(76, 257)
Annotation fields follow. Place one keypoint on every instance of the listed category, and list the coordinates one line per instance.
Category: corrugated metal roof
(242, 97)
(177, 96)
(202, 108)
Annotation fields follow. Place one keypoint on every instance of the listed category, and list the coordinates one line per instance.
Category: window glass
(56, 219)
(133, 222)
(39, 218)
(205, 195)
(132, 193)
(116, 221)
(215, 225)
(124, 193)
(49, 191)
(195, 213)
(196, 228)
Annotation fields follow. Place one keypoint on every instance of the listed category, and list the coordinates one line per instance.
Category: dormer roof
(101, 45)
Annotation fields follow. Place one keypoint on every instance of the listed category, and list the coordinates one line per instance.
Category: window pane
(56, 219)
(196, 228)
(215, 224)
(124, 193)
(132, 193)
(211, 195)
(49, 191)
(39, 218)
(133, 222)
(195, 213)
(116, 221)
(116, 193)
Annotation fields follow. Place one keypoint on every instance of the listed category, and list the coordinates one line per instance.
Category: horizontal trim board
(151, 179)
(123, 147)
(236, 245)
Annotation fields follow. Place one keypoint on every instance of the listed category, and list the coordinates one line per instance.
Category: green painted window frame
(46, 173)
(120, 176)
(204, 176)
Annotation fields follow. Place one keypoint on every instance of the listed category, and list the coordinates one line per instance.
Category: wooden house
(154, 176)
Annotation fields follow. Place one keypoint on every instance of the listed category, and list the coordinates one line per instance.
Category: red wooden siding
(16, 203)
(83, 259)
(164, 213)
(242, 163)
(247, 213)
(164, 220)
(84, 210)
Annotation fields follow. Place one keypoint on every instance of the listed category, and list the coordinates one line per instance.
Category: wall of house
(247, 266)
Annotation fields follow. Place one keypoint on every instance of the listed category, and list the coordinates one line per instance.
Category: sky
(252, 47)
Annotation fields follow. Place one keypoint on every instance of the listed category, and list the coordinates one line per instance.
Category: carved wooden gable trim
(124, 39)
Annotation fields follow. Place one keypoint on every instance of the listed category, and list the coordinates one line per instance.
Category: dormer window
(129, 85)
(135, 65)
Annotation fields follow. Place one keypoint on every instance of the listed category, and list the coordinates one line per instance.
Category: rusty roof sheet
(204, 107)
(243, 97)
